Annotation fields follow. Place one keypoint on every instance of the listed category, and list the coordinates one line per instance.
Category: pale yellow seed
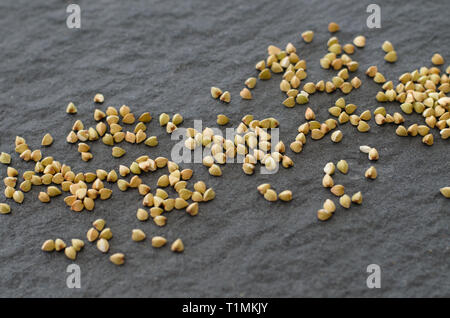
(70, 252)
(158, 241)
(160, 220)
(106, 234)
(324, 215)
(391, 57)
(245, 94)
(338, 190)
(18, 196)
(47, 140)
(336, 136)
(285, 195)
(222, 119)
(359, 41)
(329, 206)
(77, 244)
(92, 234)
(445, 191)
(4, 208)
(373, 154)
(117, 258)
(437, 59)
(251, 82)
(192, 209)
(215, 170)
(118, 152)
(345, 201)
(333, 27)
(308, 36)
(270, 195)
(342, 166)
(48, 246)
(177, 246)
(103, 245)
(216, 92)
(137, 235)
(357, 198)
(371, 173)
(99, 224)
(59, 245)
(99, 98)
(71, 108)
(327, 181)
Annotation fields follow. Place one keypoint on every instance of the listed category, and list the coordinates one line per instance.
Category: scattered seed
(118, 152)
(336, 136)
(327, 181)
(164, 118)
(337, 190)
(359, 41)
(177, 246)
(333, 27)
(158, 241)
(215, 93)
(363, 126)
(77, 244)
(92, 235)
(215, 170)
(342, 166)
(5, 208)
(371, 173)
(222, 119)
(226, 96)
(324, 215)
(437, 59)
(99, 98)
(445, 191)
(251, 82)
(160, 220)
(18, 196)
(5, 158)
(373, 154)
(103, 245)
(329, 206)
(106, 234)
(71, 108)
(245, 94)
(47, 140)
(48, 246)
(391, 57)
(401, 131)
(59, 245)
(99, 224)
(285, 195)
(329, 168)
(270, 195)
(70, 252)
(137, 235)
(308, 36)
(357, 198)
(192, 209)
(428, 139)
(365, 149)
(345, 201)
(117, 258)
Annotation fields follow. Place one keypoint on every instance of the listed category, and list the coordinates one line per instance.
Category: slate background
(163, 56)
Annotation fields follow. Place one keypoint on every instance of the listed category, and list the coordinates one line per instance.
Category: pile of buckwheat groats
(422, 91)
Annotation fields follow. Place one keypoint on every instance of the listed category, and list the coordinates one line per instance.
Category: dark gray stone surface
(163, 56)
